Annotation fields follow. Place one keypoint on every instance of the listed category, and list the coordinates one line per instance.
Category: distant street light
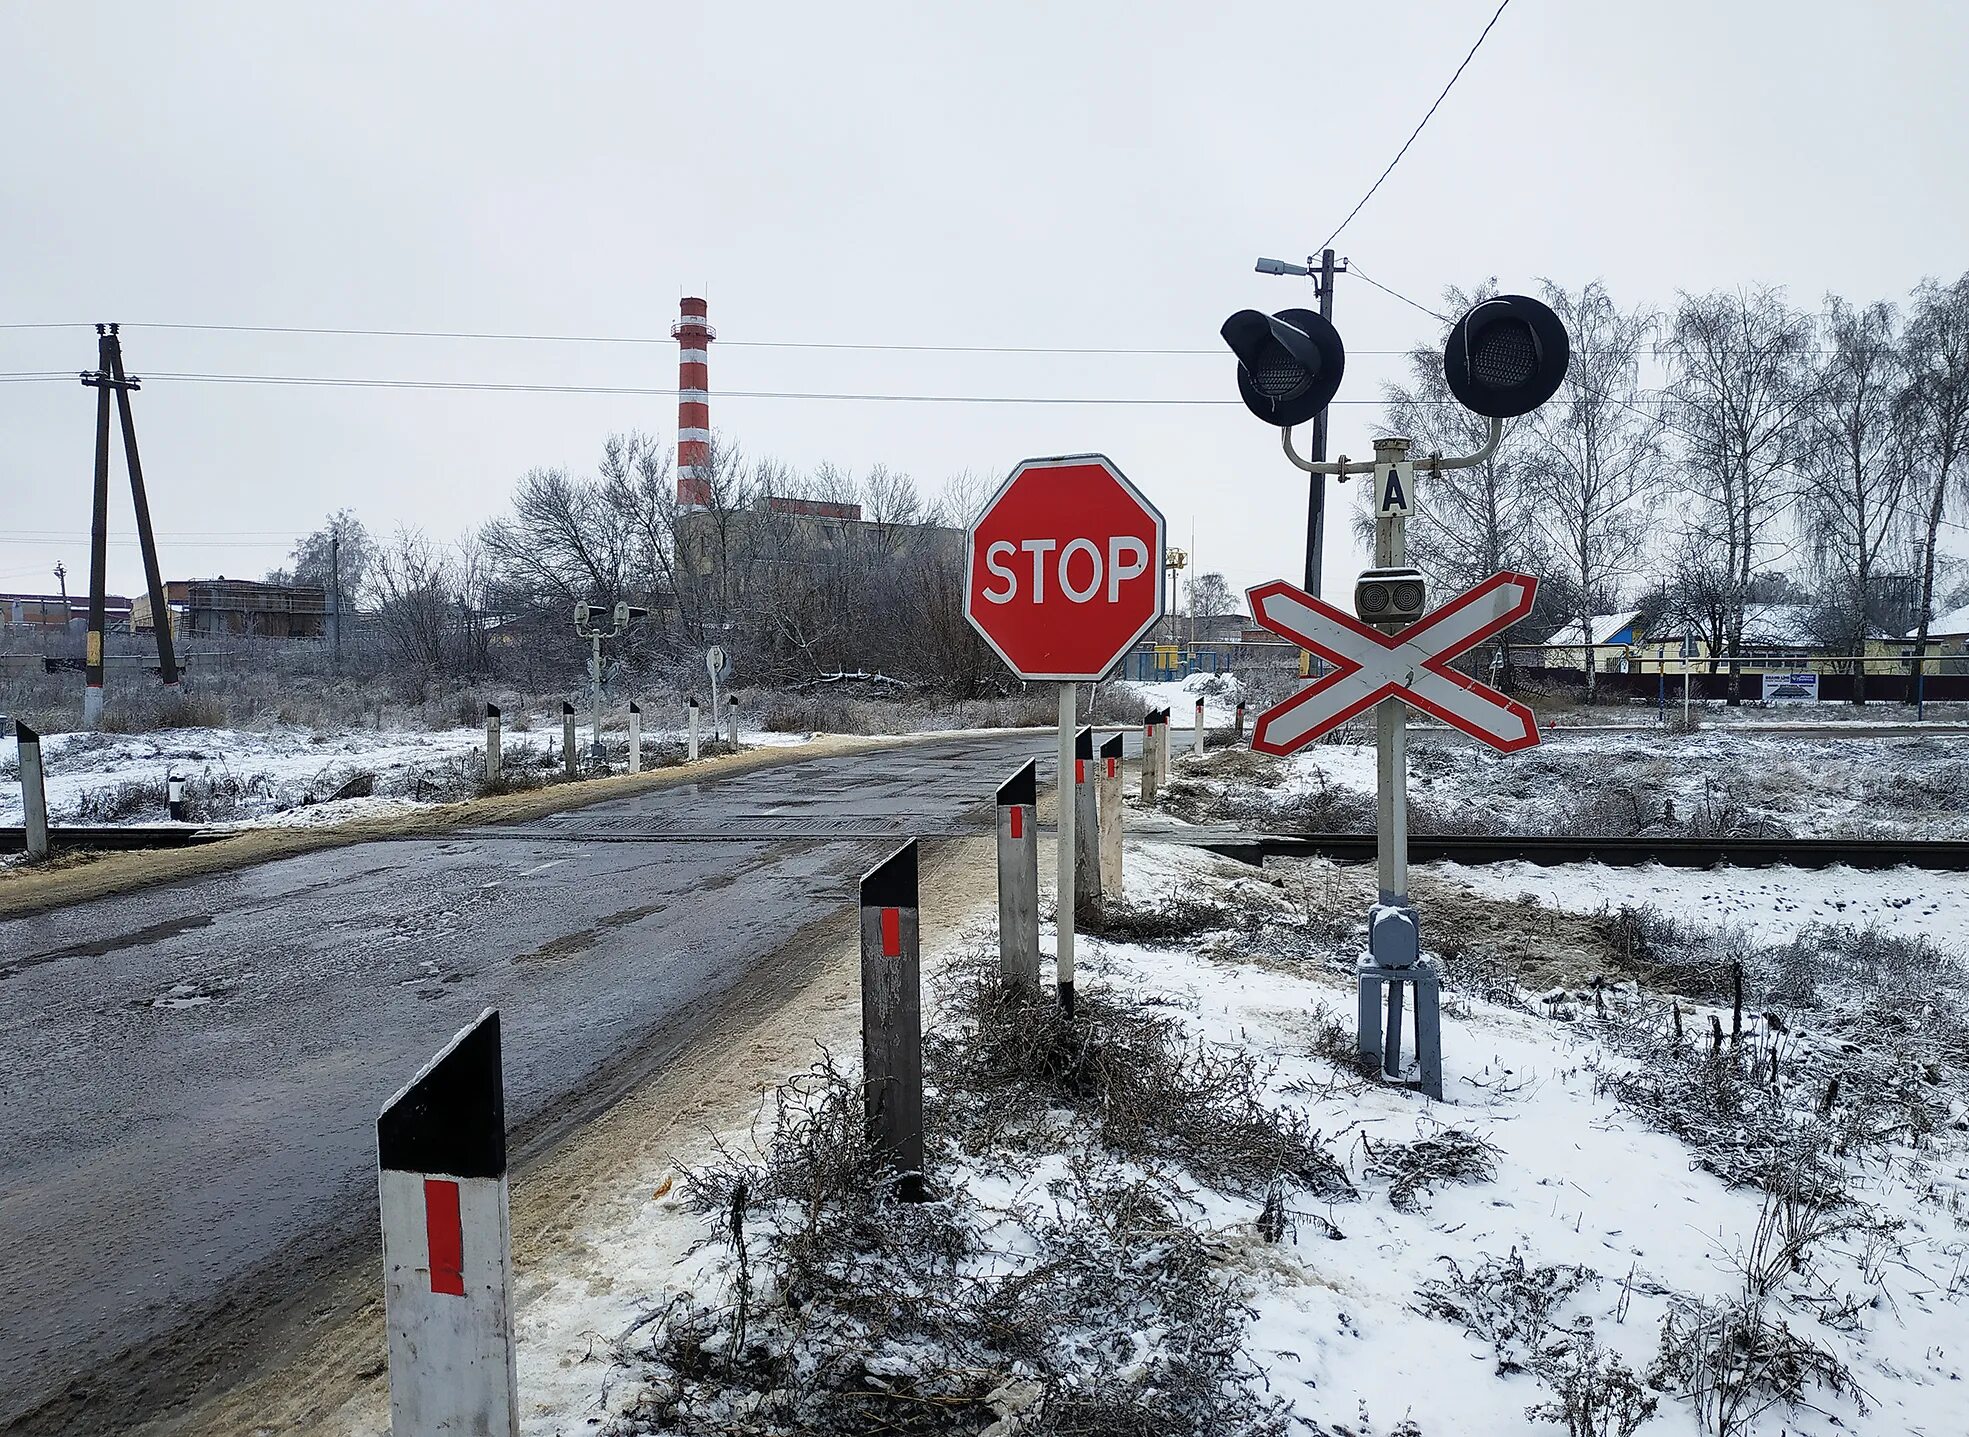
(1283, 266)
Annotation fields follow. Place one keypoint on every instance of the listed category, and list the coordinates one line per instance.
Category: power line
(853, 346)
(1418, 130)
(1355, 270)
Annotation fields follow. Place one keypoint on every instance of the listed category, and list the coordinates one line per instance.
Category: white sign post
(1390, 667)
(1063, 573)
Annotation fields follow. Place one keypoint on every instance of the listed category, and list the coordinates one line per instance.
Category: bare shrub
(1505, 1302)
(845, 1310)
(1738, 1127)
(1130, 1070)
(1413, 1169)
(1733, 1361)
(1594, 1392)
(1179, 913)
(121, 802)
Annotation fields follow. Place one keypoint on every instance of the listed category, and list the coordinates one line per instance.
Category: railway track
(1942, 855)
(1947, 855)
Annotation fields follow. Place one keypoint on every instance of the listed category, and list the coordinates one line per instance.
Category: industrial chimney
(693, 337)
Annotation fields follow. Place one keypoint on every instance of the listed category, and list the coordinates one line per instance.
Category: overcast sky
(1054, 175)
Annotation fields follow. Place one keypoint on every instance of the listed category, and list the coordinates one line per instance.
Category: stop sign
(1063, 569)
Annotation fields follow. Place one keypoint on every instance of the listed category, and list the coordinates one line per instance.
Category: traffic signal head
(1288, 364)
(1506, 357)
(1391, 596)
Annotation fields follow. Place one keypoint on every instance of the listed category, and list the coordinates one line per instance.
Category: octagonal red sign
(1063, 568)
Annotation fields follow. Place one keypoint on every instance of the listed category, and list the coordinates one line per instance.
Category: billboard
(1791, 688)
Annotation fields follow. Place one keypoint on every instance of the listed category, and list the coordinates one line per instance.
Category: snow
(1849, 784)
(1772, 905)
(1605, 626)
(1335, 1322)
(1950, 625)
(281, 776)
(1219, 692)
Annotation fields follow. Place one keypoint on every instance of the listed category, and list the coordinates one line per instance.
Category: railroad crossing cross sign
(1411, 664)
(1063, 568)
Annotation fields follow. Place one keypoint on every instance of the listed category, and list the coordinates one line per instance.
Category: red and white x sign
(1411, 664)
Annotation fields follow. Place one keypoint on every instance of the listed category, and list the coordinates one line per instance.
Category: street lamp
(1284, 266)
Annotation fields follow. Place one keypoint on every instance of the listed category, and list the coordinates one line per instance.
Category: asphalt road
(192, 1073)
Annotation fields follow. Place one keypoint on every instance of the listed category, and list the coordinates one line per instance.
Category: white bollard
(1196, 741)
(174, 798)
(1162, 746)
(34, 792)
(447, 1243)
(693, 744)
(635, 738)
(493, 762)
(731, 725)
(570, 757)
(1086, 827)
(1018, 881)
(1148, 758)
(1107, 785)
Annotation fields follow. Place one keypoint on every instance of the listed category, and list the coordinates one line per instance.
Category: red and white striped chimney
(693, 336)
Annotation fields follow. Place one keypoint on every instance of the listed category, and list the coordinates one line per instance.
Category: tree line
(1696, 462)
(1699, 460)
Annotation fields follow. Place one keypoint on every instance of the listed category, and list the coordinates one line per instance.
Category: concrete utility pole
(335, 599)
(1316, 495)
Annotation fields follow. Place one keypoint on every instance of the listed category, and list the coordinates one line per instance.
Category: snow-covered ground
(1349, 1319)
(284, 775)
(1219, 693)
(1712, 781)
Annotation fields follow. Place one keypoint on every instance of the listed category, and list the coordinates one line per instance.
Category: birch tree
(1595, 467)
(1852, 503)
(1742, 381)
(1936, 408)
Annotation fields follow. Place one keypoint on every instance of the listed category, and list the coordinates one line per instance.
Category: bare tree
(1742, 381)
(415, 581)
(313, 560)
(1469, 523)
(1595, 470)
(1854, 469)
(1211, 595)
(1936, 407)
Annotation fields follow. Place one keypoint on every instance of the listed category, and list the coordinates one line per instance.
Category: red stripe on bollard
(1018, 822)
(444, 1236)
(891, 932)
(1080, 770)
(1111, 763)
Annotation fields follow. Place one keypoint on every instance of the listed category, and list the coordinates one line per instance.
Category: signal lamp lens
(1374, 599)
(1408, 597)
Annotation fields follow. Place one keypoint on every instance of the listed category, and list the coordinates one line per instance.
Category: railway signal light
(1506, 357)
(1289, 364)
(1391, 596)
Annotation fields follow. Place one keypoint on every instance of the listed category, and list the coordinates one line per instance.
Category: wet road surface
(192, 1073)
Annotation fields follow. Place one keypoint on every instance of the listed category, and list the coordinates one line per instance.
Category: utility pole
(107, 376)
(1316, 495)
(335, 598)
